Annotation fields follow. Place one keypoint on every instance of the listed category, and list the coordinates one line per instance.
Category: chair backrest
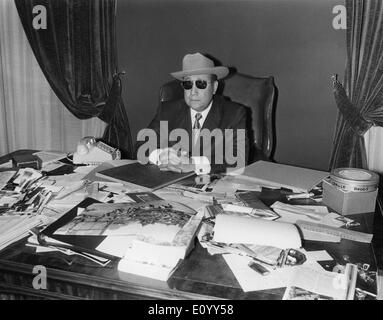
(257, 94)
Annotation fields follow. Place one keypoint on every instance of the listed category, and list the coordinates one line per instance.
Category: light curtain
(31, 116)
(360, 102)
(374, 148)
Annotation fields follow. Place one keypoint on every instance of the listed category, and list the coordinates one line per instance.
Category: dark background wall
(292, 40)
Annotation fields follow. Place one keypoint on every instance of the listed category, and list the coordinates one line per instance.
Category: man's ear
(215, 86)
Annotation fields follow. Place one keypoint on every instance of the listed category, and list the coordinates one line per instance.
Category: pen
(360, 291)
(299, 196)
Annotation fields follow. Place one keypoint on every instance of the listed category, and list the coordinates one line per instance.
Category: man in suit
(202, 132)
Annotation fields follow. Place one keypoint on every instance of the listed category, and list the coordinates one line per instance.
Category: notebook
(149, 176)
(281, 175)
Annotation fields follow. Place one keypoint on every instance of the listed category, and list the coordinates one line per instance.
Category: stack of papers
(5, 176)
(48, 157)
(250, 280)
(311, 283)
(151, 234)
(25, 192)
(292, 213)
(16, 227)
(50, 244)
(271, 174)
(6, 165)
(307, 281)
(159, 260)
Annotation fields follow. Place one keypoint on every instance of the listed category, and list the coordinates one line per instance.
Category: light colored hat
(199, 64)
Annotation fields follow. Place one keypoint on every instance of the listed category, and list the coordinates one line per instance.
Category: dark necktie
(197, 125)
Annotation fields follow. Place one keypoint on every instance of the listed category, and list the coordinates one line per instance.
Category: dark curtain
(77, 53)
(360, 101)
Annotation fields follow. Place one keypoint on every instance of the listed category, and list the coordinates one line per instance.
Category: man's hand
(171, 160)
(170, 156)
(180, 168)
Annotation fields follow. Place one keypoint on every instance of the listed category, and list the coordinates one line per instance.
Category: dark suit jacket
(223, 115)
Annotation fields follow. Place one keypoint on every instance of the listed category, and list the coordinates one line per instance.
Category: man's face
(199, 99)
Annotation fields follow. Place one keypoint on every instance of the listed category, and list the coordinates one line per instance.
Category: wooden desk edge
(102, 283)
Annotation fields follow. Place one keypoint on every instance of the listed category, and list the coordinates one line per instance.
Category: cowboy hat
(197, 63)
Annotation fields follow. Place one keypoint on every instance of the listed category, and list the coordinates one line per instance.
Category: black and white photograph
(181, 152)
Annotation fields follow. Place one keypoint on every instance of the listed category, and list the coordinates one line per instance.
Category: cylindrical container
(354, 179)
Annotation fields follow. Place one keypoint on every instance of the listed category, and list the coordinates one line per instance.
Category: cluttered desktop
(118, 229)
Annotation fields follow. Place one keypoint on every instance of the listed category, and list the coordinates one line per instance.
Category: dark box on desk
(350, 202)
(26, 161)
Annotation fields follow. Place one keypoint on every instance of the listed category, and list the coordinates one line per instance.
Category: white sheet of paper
(116, 245)
(173, 195)
(13, 228)
(316, 236)
(120, 162)
(67, 179)
(6, 164)
(5, 176)
(49, 215)
(53, 188)
(231, 184)
(280, 175)
(330, 220)
(322, 282)
(318, 209)
(49, 156)
(84, 169)
(145, 270)
(101, 196)
(320, 255)
(119, 198)
(52, 166)
(291, 213)
(115, 187)
(40, 249)
(243, 229)
(379, 285)
(327, 218)
(69, 201)
(251, 280)
(8, 201)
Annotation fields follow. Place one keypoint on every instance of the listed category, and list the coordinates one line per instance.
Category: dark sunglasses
(200, 84)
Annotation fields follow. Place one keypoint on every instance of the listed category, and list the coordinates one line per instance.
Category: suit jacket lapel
(213, 119)
(183, 121)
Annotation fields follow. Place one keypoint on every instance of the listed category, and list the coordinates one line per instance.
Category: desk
(200, 276)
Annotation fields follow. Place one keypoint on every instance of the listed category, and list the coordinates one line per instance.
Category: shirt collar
(203, 113)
